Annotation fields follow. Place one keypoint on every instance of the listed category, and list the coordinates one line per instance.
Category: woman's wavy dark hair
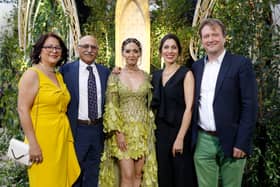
(170, 36)
(37, 48)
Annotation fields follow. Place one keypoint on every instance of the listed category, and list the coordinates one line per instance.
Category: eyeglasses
(87, 46)
(51, 48)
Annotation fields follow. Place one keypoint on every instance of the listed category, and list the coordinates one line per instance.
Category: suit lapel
(75, 79)
(102, 81)
(198, 77)
(223, 71)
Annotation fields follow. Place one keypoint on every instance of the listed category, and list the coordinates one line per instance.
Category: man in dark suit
(86, 81)
(225, 110)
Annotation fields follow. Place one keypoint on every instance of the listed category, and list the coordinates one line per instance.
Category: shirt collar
(84, 65)
(219, 60)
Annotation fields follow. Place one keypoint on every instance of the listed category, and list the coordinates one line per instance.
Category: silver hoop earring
(123, 62)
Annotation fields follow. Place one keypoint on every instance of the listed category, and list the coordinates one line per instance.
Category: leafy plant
(11, 67)
(251, 32)
(171, 17)
(49, 17)
(100, 23)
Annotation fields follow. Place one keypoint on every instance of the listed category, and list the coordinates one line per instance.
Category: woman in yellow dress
(129, 150)
(42, 103)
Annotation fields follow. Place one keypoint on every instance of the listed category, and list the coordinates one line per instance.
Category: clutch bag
(19, 152)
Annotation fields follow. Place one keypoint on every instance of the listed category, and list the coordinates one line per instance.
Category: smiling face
(169, 51)
(131, 52)
(51, 51)
(213, 40)
(88, 49)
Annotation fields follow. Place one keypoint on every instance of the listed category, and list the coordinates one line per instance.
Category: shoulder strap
(35, 69)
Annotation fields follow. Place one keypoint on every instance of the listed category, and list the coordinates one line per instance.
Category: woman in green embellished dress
(129, 158)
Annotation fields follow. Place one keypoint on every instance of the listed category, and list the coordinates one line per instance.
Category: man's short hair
(212, 22)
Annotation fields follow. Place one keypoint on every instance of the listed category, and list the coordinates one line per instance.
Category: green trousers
(211, 164)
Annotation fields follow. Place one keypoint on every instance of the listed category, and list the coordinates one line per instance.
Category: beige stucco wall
(133, 20)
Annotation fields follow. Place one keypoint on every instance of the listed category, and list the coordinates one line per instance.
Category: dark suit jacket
(234, 105)
(70, 73)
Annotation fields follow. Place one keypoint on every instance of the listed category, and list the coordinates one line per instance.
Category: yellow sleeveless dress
(60, 167)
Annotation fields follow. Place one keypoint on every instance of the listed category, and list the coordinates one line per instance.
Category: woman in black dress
(173, 100)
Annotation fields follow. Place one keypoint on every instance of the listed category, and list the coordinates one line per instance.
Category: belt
(90, 122)
(212, 133)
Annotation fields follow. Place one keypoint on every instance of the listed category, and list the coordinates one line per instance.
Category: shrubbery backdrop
(251, 32)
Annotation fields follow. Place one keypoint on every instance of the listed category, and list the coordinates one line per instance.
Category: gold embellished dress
(127, 111)
(60, 167)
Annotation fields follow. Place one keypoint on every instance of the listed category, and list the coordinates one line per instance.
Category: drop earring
(139, 62)
(123, 62)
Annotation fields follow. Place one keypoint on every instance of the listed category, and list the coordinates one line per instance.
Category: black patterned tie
(92, 95)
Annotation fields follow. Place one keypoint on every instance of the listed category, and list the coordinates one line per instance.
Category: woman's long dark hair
(37, 48)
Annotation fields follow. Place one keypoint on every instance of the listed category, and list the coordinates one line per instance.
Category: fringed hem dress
(127, 111)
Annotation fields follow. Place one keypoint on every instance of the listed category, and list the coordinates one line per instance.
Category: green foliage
(12, 174)
(50, 17)
(10, 71)
(11, 68)
(101, 23)
(171, 17)
(250, 33)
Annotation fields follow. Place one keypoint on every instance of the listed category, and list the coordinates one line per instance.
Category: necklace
(170, 73)
(46, 68)
(131, 70)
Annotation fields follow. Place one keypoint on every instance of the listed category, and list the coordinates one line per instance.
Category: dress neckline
(50, 80)
(170, 78)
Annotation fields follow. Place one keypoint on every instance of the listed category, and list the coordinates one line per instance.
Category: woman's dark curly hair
(37, 48)
(170, 36)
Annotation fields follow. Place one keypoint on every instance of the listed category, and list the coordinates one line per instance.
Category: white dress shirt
(83, 90)
(208, 84)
